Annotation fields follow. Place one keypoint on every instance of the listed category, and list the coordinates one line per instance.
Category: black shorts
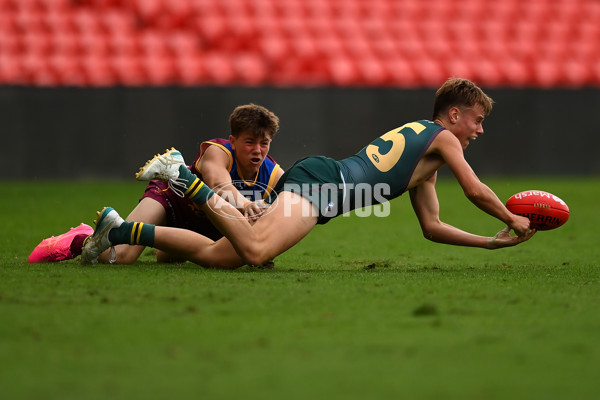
(319, 180)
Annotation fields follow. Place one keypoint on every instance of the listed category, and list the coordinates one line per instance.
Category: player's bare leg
(290, 218)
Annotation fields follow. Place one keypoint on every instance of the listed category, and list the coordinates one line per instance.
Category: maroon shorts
(181, 211)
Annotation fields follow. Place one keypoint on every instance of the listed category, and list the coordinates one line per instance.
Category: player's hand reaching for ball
(520, 225)
(504, 238)
(254, 209)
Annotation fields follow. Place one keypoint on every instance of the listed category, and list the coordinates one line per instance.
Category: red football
(544, 210)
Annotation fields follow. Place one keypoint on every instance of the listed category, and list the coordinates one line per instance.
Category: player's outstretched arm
(475, 190)
(215, 173)
(214, 168)
(426, 206)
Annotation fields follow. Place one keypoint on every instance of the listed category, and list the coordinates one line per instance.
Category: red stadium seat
(56, 5)
(401, 72)
(303, 46)
(103, 5)
(178, 13)
(65, 44)
(219, 69)
(384, 46)
(547, 74)
(37, 43)
(344, 72)
(584, 49)
(515, 73)
(250, 69)
(182, 43)
(12, 70)
(190, 70)
(115, 21)
(11, 43)
(411, 46)
(87, 21)
(124, 43)
(488, 71)
(212, 29)
(45, 77)
(373, 71)
(30, 20)
(430, 71)
(8, 23)
(60, 21)
(359, 46)
(6, 6)
(99, 70)
(314, 42)
(320, 26)
(97, 44)
(148, 11)
(330, 44)
(154, 44)
(576, 73)
(460, 67)
(29, 6)
(160, 69)
(129, 70)
(274, 48)
(68, 70)
(312, 72)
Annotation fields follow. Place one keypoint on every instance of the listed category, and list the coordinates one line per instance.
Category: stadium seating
(375, 43)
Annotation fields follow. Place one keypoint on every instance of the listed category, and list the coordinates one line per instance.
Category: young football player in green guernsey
(317, 189)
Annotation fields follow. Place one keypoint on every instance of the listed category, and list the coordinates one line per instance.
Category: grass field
(361, 309)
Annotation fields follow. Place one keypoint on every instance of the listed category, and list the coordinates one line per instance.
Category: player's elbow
(428, 235)
(429, 230)
(253, 252)
(254, 256)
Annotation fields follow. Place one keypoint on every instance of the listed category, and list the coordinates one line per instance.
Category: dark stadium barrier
(72, 133)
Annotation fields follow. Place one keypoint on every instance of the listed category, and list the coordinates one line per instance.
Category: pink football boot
(58, 248)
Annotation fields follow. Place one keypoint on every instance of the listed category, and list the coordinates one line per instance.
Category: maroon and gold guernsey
(183, 213)
(255, 188)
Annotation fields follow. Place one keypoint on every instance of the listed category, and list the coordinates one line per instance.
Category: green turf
(361, 309)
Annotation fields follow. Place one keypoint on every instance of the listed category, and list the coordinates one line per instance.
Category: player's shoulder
(269, 161)
(445, 144)
(214, 151)
(444, 138)
(216, 143)
(219, 148)
(423, 128)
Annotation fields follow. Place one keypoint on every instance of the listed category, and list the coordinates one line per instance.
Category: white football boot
(97, 243)
(164, 167)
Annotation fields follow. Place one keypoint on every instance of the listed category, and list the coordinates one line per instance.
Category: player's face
(250, 150)
(469, 124)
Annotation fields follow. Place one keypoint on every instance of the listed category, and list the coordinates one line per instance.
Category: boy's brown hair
(254, 119)
(459, 92)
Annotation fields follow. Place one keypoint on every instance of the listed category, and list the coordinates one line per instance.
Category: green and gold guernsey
(382, 170)
(378, 173)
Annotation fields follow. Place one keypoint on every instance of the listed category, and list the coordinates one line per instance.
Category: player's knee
(254, 254)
